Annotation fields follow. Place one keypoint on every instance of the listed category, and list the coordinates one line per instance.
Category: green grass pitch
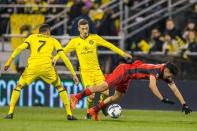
(54, 119)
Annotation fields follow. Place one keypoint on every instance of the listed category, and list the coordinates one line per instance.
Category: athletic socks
(14, 99)
(64, 97)
(83, 94)
(100, 106)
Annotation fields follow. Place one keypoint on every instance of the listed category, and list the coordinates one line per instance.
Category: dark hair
(172, 67)
(82, 22)
(44, 28)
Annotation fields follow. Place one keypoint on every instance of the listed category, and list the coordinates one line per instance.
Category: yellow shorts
(46, 73)
(92, 78)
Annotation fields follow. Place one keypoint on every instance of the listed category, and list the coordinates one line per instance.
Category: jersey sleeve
(57, 45)
(102, 42)
(67, 62)
(21, 47)
(68, 48)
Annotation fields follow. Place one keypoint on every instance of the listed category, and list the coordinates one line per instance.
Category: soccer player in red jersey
(123, 74)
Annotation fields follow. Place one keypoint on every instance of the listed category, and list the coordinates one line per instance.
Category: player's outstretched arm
(16, 52)
(175, 90)
(69, 48)
(69, 66)
(103, 42)
(154, 89)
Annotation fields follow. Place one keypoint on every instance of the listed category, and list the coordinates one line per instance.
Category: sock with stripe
(14, 99)
(100, 106)
(83, 94)
(64, 97)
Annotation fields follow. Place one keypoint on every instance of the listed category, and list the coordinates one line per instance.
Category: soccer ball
(114, 111)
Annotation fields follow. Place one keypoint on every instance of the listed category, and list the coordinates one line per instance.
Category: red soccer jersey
(123, 73)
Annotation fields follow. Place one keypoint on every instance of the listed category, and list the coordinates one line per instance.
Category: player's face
(167, 74)
(84, 30)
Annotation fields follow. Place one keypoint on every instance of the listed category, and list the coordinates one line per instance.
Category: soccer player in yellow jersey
(40, 65)
(85, 46)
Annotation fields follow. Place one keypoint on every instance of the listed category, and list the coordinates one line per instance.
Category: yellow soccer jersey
(86, 50)
(41, 48)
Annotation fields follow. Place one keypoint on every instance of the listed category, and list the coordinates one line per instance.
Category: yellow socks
(64, 97)
(14, 99)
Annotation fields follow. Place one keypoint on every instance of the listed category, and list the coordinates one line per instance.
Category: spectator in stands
(156, 40)
(192, 41)
(170, 45)
(190, 26)
(85, 15)
(171, 29)
(174, 34)
(106, 26)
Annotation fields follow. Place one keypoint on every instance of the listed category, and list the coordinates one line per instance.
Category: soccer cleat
(9, 116)
(88, 116)
(104, 111)
(70, 117)
(93, 114)
(73, 101)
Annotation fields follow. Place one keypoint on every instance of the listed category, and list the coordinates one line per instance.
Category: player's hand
(186, 109)
(167, 101)
(54, 61)
(127, 56)
(7, 64)
(76, 80)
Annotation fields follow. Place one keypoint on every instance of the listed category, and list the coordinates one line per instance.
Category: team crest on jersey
(91, 42)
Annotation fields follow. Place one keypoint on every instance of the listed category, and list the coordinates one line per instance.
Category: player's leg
(50, 76)
(90, 103)
(94, 110)
(116, 78)
(14, 99)
(26, 78)
(63, 95)
(89, 91)
(87, 81)
(103, 96)
(109, 100)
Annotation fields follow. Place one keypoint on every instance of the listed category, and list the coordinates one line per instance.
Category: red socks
(100, 106)
(83, 94)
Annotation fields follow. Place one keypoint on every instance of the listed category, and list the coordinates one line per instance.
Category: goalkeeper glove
(186, 109)
(167, 101)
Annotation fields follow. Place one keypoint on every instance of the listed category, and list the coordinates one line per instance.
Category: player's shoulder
(94, 36)
(75, 38)
(32, 36)
(54, 40)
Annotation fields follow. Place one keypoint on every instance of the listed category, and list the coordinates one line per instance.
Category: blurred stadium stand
(154, 31)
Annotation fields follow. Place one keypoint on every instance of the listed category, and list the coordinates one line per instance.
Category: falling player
(125, 73)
